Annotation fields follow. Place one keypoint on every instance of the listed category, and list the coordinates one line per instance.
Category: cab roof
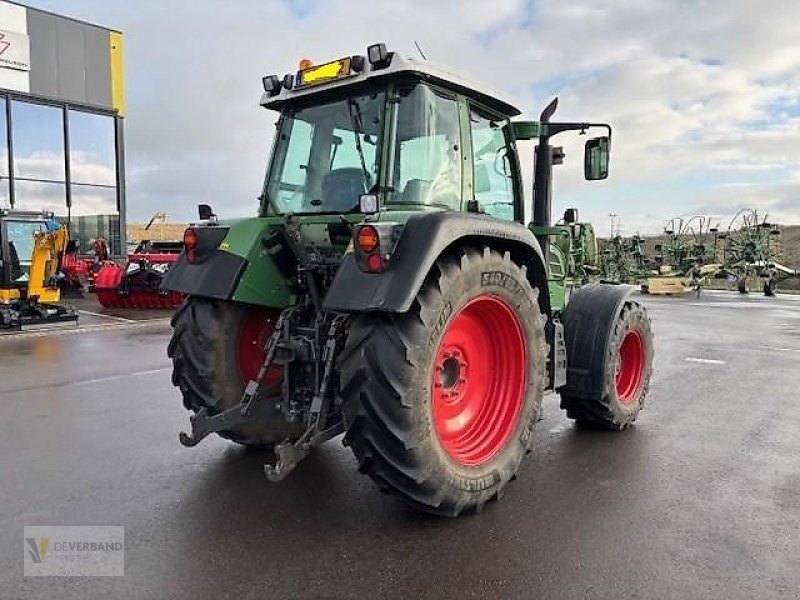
(399, 68)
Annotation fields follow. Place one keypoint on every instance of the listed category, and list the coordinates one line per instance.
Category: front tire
(629, 366)
(440, 402)
(216, 348)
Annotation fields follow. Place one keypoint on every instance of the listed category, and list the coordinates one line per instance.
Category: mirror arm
(556, 128)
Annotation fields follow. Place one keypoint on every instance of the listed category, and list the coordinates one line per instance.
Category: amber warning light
(368, 239)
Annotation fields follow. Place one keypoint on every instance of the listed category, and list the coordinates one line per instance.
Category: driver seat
(341, 189)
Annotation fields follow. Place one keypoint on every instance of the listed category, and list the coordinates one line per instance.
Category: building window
(41, 195)
(74, 178)
(5, 200)
(38, 136)
(93, 177)
(94, 215)
(91, 149)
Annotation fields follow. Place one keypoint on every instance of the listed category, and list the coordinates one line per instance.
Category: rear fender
(425, 237)
(232, 263)
(589, 320)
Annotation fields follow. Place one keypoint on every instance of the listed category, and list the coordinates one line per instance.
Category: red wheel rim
(254, 332)
(478, 380)
(630, 367)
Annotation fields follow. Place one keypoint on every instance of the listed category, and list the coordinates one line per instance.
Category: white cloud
(691, 87)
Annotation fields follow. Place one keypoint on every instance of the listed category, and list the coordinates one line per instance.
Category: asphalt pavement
(701, 499)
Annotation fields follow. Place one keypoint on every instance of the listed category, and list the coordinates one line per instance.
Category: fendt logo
(4, 45)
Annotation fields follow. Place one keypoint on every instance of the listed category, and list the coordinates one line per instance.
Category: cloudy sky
(704, 96)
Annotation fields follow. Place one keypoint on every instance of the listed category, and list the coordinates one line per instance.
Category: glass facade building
(64, 159)
(61, 123)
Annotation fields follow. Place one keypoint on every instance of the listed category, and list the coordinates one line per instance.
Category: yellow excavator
(32, 245)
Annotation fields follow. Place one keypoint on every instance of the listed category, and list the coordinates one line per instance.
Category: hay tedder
(390, 290)
(623, 259)
(685, 258)
(749, 251)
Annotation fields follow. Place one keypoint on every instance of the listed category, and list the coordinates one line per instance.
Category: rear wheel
(216, 348)
(440, 402)
(629, 365)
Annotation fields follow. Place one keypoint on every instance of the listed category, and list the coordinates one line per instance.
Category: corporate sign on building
(15, 50)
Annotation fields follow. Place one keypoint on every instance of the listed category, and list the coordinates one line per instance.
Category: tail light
(374, 263)
(373, 244)
(190, 244)
(368, 239)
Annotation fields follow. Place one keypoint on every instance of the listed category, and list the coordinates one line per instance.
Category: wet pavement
(700, 500)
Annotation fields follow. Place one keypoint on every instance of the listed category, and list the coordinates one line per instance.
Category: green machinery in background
(574, 256)
(624, 260)
(685, 258)
(749, 250)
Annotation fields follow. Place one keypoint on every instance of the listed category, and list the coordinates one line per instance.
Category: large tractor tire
(440, 402)
(216, 348)
(629, 365)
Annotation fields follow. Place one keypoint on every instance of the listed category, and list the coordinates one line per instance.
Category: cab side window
(428, 162)
(492, 180)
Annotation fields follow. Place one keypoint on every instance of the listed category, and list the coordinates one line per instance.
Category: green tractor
(390, 291)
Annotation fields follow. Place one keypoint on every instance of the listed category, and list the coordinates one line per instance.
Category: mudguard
(231, 263)
(217, 276)
(588, 326)
(425, 237)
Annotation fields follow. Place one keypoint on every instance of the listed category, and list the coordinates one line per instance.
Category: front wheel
(629, 365)
(770, 287)
(440, 402)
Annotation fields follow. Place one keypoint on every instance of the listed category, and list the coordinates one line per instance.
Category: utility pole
(614, 228)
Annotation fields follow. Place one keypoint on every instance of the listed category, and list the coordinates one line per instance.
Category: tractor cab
(388, 133)
(396, 136)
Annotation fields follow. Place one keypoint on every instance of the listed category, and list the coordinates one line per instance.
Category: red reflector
(374, 263)
(190, 239)
(367, 239)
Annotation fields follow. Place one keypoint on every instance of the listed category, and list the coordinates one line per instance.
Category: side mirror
(596, 158)
(205, 212)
